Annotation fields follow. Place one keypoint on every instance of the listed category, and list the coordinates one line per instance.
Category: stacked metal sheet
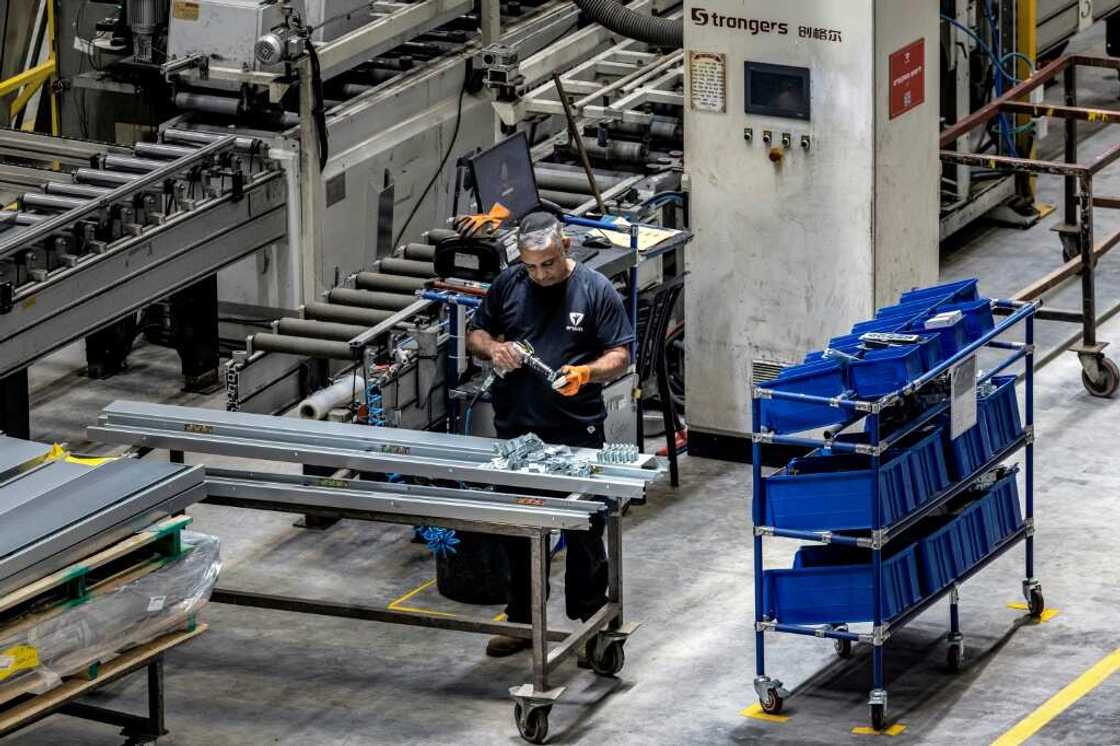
(55, 511)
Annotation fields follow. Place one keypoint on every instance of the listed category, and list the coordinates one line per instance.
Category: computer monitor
(504, 174)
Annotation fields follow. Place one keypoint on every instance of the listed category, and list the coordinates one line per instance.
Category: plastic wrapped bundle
(40, 650)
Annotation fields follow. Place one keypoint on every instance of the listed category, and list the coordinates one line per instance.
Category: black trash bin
(475, 573)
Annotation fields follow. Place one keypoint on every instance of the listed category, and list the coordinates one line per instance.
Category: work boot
(501, 646)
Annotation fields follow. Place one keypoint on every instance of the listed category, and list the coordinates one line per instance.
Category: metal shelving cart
(926, 406)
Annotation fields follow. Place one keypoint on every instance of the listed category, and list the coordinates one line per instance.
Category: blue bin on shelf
(977, 316)
(832, 492)
(821, 378)
(998, 414)
(997, 426)
(887, 369)
(948, 552)
(828, 585)
(952, 338)
(961, 291)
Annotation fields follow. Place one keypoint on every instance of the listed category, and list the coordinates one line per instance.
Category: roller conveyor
(69, 258)
(406, 267)
(319, 329)
(388, 283)
(345, 314)
(370, 299)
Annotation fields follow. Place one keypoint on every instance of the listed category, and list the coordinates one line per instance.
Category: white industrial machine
(811, 141)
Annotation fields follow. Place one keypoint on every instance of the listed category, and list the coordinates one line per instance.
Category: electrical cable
(318, 108)
(443, 161)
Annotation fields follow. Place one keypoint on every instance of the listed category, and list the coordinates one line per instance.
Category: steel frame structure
(1080, 250)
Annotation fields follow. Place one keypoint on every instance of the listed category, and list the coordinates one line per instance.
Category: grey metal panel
(81, 518)
(1058, 26)
(1101, 8)
(17, 492)
(17, 456)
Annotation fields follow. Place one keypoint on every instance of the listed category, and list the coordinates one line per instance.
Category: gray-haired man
(575, 321)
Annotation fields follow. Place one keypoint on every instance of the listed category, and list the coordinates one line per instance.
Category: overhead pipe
(660, 32)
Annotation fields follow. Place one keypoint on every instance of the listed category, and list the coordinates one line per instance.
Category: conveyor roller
(388, 283)
(303, 346)
(319, 329)
(370, 299)
(345, 314)
(406, 267)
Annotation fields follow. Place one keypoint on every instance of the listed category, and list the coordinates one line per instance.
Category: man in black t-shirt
(575, 321)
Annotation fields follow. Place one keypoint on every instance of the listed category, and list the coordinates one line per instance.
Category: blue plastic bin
(952, 338)
(886, 370)
(961, 291)
(822, 378)
(977, 316)
(948, 552)
(825, 492)
(998, 414)
(997, 426)
(828, 585)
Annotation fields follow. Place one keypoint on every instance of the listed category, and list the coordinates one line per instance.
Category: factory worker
(575, 321)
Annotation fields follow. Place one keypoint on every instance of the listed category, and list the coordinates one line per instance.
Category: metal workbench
(557, 502)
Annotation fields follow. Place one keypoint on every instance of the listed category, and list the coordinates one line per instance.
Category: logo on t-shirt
(576, 318)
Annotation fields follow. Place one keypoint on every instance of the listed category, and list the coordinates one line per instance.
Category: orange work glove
(574, 377)
(472, 226)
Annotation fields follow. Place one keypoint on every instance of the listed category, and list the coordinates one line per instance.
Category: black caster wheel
(1035, 603)
(878, 717)
(843, 648)
(535, 728)
(608, 659)
(1110, 381)
(772, 703)
(954, 658)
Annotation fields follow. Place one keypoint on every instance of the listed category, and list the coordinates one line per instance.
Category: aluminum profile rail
(360, 447)
(397, 503)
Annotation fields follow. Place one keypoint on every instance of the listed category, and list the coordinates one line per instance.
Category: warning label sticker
(707, 81)
(185, 10)
(908, 78)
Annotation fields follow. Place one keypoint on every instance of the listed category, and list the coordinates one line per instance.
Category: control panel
(782, 92)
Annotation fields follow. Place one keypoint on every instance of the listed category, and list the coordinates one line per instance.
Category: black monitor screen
(504, 174)
(778, 90)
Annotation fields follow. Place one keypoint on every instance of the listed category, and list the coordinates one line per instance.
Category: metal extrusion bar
(342, 446)
(456, 505)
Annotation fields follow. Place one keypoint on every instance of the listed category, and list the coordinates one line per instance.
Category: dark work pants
(585, 572)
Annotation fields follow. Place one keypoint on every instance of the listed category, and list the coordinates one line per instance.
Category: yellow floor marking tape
(398, 604)
(1047, 614)
(501, 617)
(755, 711)
(892, 730)
(1057, 704)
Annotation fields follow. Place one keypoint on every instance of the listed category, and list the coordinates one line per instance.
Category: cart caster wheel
(954, 658)
(607, 659)
(843, 648)
(1105, 388)
(535, 727)
(772, 703)
(1035, 603)
(878, 717)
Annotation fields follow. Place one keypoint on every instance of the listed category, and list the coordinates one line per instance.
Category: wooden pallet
(104, 572)
(19, 715)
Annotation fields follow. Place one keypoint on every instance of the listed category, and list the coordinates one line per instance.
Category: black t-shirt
(572, 323)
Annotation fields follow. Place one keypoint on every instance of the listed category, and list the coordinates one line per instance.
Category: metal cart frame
(1080, 253)
(770, 691)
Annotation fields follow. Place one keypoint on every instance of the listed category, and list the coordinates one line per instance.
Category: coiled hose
(660, 32)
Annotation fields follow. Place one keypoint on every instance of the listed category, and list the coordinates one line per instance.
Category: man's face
(547, 266)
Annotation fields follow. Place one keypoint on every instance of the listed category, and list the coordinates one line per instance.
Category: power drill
(530, 360)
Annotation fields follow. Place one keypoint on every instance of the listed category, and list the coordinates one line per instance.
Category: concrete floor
(262, 677)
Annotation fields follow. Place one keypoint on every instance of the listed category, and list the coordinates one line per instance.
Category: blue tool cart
(900, 512)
